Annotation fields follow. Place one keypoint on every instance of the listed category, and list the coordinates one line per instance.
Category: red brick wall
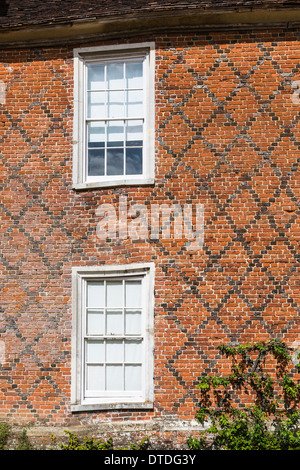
(227, 136)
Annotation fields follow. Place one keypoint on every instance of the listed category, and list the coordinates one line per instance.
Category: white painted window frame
(144, 399)
(81, 56)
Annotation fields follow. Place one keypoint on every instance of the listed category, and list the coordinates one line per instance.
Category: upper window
(114, 116)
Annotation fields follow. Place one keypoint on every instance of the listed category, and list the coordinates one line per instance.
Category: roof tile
(17, 13)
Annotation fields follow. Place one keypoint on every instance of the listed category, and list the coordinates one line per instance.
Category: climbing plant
(254, 406)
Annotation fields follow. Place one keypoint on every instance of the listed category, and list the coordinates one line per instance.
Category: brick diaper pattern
(227, 137)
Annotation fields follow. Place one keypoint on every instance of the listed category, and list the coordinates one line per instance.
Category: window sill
(113, 183)
(111, 406)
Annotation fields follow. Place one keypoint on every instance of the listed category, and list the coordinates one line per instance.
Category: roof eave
(147, 23)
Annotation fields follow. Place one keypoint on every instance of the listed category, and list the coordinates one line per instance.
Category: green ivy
(22, 443)
(90, 443)
(4, 435)
(270, 423)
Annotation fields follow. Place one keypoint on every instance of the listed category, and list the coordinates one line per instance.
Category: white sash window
(114, 116)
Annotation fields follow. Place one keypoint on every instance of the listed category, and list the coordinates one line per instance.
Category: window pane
(96, 143)
(133, 293)
(114, 323)
(115, 76)
(134, 133)
(96, 105)
(95, 162)
(115, 351)
(96, 134)
(96, 77)
(95, 352)
(114, 292)
(133, 322)
(134, 75)
(95, 323)
(134, 161)
(114, 378)
(115, 162)
(133, 351)
(95, 379)
(135, 103)
(95, 294)
(116, 104)
(115, 134)
(133, 377)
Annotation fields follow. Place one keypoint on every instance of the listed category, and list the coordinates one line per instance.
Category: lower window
(113, 336)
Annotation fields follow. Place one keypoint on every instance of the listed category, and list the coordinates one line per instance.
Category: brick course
(227, 136)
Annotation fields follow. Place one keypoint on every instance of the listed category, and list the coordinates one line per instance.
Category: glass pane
(95, 294)
(115, 134)
(115, 351)
(95, 323)
(115, 76)
(133, 293)
(96, 77)
(95, 351)
(95, 379)
(133, 351)
(115, 162)
(116, 104)
(134, 75)
(134, 161)
(135, 103)
(133, 377)
(134, 133)
(96, 134)
(95, 162)
(96, 105)
(133, 322)
(114, 292)
(114, 378)
(114, 323)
